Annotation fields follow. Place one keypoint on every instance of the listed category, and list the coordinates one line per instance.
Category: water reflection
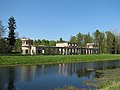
(36, 77)
(27, 72)
(11, 85)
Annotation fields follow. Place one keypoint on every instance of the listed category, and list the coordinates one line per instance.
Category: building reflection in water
(66, 69)
(79, 69)
(12, 77)
(27, 72)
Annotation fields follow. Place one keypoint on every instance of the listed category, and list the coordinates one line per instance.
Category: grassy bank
(54, 59)
(109, 80)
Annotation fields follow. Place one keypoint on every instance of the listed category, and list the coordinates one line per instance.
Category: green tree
(73, 39)
(3, 43)
(43, 42)
(89, 38)
(79, 39)
(2, 30)
(52, 43)
(47, 42)
(12, 27)
(35, 42)
(118, 44)
(110, 42)
(18, 45)
(60, 40)
(85, 38)
(39, 42)
(101, 42)
(99, 38)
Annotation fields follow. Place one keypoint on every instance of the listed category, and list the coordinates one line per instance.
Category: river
(48, 77)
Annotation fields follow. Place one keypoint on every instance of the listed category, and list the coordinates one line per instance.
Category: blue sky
(52, 19)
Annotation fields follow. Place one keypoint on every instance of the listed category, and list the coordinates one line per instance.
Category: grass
(53, 59)
(67, 87)
(110, 79)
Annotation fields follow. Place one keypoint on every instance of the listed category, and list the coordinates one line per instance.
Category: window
(26, 51)
(39, 51)
(26, 42)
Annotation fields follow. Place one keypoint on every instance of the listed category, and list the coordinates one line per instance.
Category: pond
(48, 77)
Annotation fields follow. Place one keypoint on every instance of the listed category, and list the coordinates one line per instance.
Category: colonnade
(49, 50)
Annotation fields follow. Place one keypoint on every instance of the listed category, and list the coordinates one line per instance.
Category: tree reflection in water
(36, 77)
(11, 85)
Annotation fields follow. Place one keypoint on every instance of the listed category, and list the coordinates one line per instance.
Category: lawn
(53, 59)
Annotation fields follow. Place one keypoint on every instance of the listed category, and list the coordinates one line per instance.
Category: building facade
(65, 48)
(26, 46)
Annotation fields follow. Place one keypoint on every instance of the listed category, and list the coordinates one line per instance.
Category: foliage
(52, 43)
(99, 38)
(60, 40)
(2, 30)
(79, 38)
(3, 43)
(110, 42)
(73, 39)
(12, 27)
(18, 45)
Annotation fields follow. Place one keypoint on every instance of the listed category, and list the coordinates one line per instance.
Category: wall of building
(62, 44)
(60, 49)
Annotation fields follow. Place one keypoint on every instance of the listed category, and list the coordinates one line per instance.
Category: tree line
(108, 42)
(48, 42)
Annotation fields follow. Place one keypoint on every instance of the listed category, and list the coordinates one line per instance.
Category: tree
(117, 46)
(35, 42)
(89, 38)
(79, 38)
(85, 40)
(52, 43)
(110, 42)
(3, 43)
(73, 39)
(101, 42)
(47, 42)
(2, 30)
(96, 37)
(99, 38)
(12, 27)
(60, 40)
(39, 42)
(18, 45)
(43, 42)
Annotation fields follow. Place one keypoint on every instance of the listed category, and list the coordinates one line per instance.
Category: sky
(53, 19)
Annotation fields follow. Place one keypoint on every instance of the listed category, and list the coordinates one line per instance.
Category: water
(48, 77)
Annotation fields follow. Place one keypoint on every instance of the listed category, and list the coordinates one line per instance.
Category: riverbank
(54, 59)
(109, 79)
